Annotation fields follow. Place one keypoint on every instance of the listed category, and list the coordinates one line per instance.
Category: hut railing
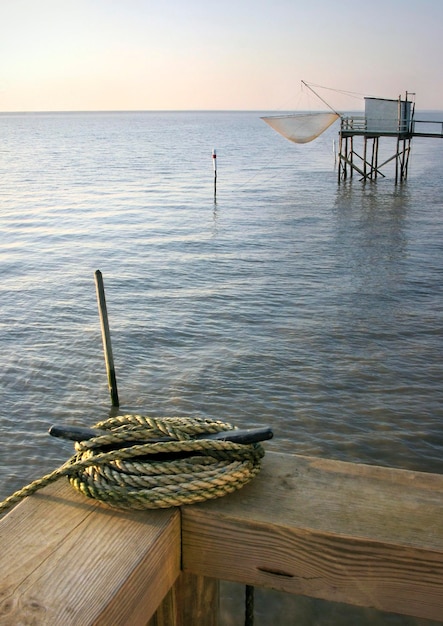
(430, 127)
(353, 123)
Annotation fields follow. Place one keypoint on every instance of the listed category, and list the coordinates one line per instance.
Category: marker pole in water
(106, 336)
(214, 160)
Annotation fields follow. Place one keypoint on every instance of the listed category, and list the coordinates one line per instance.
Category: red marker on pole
(214, 160)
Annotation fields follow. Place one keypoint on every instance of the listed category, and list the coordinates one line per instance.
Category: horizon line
(110, 111)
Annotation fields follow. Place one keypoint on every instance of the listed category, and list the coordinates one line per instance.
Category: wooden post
(106, 336)
(214, 160)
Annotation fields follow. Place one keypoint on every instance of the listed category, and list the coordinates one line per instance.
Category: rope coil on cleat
(138, 462)
(162, 474)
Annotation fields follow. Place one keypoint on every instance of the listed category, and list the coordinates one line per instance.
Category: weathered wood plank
(66, 560)
(364, 535)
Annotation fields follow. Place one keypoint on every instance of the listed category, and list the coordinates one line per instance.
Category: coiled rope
(138, 462)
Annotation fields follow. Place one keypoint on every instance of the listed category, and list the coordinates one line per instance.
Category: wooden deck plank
(360, 534)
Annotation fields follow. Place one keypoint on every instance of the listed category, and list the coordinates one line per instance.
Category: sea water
(277, 297)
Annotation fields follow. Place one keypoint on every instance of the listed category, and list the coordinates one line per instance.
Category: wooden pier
(393, 119)
(363, 535)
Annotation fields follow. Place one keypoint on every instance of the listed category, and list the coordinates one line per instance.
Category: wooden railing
(357, 124)
(364, 535)
(420, 126)
(353, 123)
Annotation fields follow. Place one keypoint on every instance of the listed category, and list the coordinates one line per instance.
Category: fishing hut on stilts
(360, 135)
(383, 118)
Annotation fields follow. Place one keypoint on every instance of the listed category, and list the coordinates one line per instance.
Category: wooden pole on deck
(106, 336)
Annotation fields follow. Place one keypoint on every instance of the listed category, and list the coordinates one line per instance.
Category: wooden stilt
(365, 152)
(351, 156)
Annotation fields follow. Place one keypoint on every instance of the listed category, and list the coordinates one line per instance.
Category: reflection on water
(371, 238)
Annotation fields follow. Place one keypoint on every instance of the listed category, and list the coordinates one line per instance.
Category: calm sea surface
(288, 300)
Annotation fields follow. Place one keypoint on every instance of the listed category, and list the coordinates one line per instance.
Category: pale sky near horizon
(58, 55)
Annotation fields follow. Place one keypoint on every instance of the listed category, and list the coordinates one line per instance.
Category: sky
(83, 55)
